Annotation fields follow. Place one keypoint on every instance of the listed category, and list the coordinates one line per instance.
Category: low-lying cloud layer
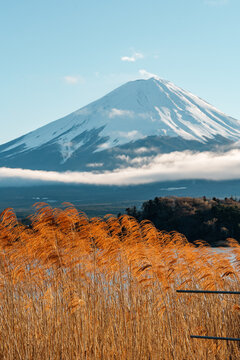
(173, 166)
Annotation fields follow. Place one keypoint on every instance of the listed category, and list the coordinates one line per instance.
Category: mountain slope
(124, 122)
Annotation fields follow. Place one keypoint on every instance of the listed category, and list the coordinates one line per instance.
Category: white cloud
(72, 80)
(143, 149)
(91, 165)
(103, 146)
(123, 157)
(132, 58)
(118, 112)
(134, 134)
(173, 166)
(147, 75)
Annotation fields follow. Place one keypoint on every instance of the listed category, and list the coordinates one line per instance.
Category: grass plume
(79, 288)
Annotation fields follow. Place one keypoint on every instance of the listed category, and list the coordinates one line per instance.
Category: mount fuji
(139, 119)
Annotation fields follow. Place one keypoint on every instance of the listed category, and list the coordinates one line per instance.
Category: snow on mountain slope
(134, 111)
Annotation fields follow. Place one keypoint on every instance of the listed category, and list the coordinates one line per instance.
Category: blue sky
(59, 55)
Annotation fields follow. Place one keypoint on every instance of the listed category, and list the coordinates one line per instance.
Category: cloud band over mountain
(173, 166)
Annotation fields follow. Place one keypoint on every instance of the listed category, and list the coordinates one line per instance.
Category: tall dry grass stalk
(74, 288)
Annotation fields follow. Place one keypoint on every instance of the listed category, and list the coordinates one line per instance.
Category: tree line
(212, 220)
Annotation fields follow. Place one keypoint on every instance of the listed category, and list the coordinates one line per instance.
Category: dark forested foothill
(212, 220)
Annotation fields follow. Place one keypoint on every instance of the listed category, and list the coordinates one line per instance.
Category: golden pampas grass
(79, 288)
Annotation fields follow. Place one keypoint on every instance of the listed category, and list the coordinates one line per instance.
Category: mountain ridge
(123, 119)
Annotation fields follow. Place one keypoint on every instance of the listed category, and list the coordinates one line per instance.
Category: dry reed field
(79, 288)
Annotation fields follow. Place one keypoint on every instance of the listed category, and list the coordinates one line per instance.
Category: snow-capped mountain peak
(134, 111)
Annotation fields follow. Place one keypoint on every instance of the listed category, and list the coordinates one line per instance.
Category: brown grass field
(79, 288)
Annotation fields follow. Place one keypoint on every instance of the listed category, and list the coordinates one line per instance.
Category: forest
(211, 220)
